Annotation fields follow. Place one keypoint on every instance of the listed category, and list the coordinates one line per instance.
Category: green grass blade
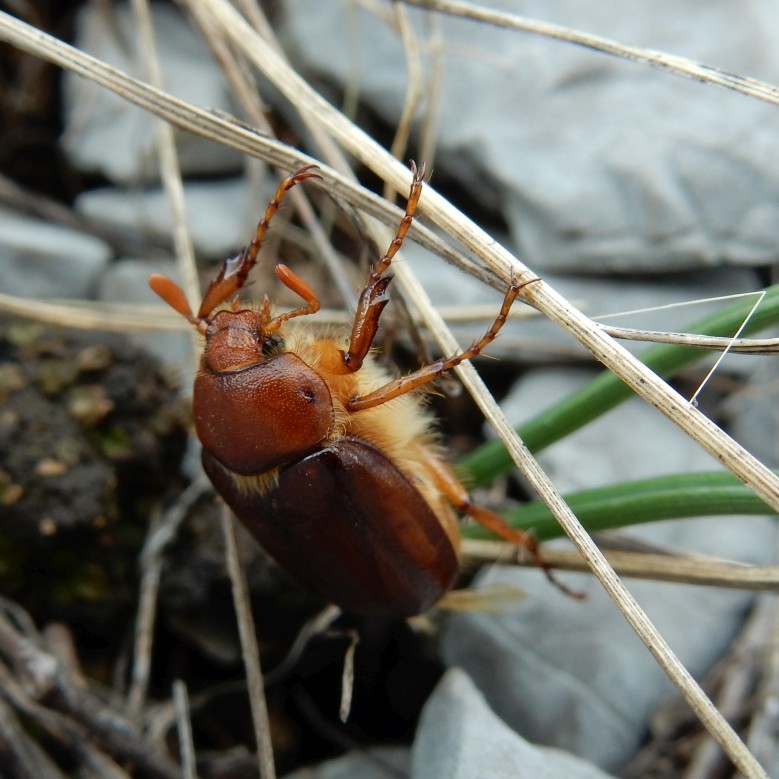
(607, 391)
(630, 503)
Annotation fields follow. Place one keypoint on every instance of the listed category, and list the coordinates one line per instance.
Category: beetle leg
(428, 373)
(458, 496)
(373, 298)
(418, 177)
(235, 270)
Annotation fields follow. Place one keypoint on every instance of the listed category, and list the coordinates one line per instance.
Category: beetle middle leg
(458, 496)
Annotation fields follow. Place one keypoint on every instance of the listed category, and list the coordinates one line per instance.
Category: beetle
(332, 464)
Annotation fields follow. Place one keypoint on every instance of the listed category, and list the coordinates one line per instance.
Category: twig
(42, 679)
(184, 729)
(19, 754)
(315, 626)
(251, 654)
(670, 568)
(347, 677)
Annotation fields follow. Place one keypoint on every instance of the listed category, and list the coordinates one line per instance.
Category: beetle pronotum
(332, 464)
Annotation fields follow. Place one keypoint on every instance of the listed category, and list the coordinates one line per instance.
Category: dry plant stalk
(685, 569)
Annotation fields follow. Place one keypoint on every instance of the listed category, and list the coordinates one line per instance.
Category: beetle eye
(271, 345)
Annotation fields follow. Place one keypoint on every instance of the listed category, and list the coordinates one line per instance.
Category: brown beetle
(331, 464)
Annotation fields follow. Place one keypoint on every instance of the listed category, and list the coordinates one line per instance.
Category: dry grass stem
(249, 650)
(244, 87)
(415, 86)
(169, 165)
(680, 66)
(713, 342)
(660, 567)
(161, 533)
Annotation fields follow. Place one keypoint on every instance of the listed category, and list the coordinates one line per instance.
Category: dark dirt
(91, 437)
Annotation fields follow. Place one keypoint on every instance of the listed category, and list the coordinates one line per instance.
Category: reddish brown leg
(428, 373)
(373, 298)
(458, 496)
(236, 269)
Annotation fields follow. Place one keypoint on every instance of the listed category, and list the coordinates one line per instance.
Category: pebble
(106, 134)
(44, 260)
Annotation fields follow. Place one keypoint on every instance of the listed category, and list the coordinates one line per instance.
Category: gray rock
(572, 674)
(108, 135)
(43, 260)
(221, 215)
(127, 282)
(460, 738)
(596, 163)
(379, 763)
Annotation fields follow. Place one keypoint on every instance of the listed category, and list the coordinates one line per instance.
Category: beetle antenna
(292, 281)
(172, 294)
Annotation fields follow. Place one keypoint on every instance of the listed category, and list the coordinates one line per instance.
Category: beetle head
(237, 339)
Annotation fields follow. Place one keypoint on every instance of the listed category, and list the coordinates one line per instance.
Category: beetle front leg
(428, 373)
(235, 270)
(458, 496)
(373, 298)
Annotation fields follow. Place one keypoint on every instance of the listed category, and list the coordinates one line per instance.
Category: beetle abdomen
(349, 525)
(257, 418)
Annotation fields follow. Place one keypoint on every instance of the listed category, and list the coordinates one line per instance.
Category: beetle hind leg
(458, 496)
